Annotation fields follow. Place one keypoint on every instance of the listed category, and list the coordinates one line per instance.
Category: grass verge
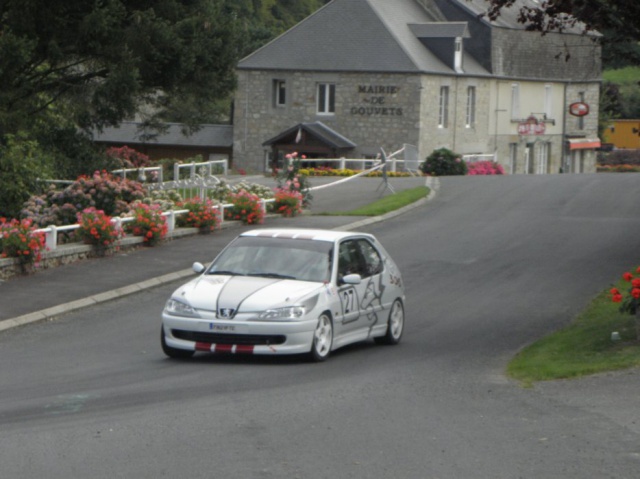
(584, 347)
(386, 204)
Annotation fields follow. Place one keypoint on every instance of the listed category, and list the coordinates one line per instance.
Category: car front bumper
(238, 336)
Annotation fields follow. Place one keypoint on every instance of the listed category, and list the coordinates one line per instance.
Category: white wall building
(359, 75)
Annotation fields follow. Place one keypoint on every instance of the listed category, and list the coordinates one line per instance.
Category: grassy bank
(584, 347)
(386, 204)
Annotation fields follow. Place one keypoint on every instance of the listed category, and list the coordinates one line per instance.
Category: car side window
(371, 258)
(349, 259)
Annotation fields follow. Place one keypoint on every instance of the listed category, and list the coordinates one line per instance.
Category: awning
(584, 143)
(317, 130)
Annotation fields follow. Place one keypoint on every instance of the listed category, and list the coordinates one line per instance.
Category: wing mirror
(351, 279)
(198, 267)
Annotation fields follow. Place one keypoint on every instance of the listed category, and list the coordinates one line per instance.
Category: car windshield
(301, 259)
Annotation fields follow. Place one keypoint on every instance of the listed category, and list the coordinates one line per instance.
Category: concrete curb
(50, 313)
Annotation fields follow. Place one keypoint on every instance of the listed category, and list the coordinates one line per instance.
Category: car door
(371, 289)
(361, 303)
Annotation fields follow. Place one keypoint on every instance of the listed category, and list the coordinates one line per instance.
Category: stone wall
(552, 57)
(371, 110)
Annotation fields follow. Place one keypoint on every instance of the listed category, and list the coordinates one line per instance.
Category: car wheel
(395, 325)
(322, 339)
(174, 352)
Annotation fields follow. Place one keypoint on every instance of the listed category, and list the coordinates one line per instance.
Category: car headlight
(290, 312)
(178, 308)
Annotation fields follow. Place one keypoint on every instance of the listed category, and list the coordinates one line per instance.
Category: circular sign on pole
(579, 108)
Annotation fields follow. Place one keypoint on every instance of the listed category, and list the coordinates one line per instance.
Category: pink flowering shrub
(246, 207)
(103, 191)
(287, 202)
(202, 214)
(96, 228)
(149, 223)
(290, 177)
(18, 240)
(485, 168)
(129, 157)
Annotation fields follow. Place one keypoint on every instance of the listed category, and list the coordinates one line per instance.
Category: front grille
(220, 338)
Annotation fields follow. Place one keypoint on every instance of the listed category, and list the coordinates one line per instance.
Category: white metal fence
(51, 231)
(480, 157)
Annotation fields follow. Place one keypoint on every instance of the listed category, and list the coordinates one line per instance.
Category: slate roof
(358, 36)
(440, 30)
(207, 136)
(318, 130)
(509, 16)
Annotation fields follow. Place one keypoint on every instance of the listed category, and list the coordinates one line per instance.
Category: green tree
(107, 60)
(617, 20)
(21, 164)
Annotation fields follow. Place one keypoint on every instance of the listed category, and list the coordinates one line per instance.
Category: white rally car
(287, 291)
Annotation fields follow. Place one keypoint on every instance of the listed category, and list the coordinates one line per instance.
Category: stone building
(361, 75)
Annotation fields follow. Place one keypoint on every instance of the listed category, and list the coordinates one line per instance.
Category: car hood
(243, 293)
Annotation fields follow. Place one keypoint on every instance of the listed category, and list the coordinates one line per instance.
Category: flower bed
(618, 168)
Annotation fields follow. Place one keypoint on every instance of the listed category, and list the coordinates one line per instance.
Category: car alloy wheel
(395, 325)
(322, 338)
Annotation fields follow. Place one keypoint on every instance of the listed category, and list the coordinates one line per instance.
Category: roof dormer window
(457, 61)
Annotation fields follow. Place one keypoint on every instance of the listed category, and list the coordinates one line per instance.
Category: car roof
(304, 233)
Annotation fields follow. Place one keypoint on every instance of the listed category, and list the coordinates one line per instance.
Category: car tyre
(174, 353)
(322, 339)
(395, 325)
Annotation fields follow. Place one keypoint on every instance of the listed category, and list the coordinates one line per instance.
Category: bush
(17, 240)
(620, 157)
(148, 222)
(290, 178)
(201, 215)
(485, 168)
(96, 228)
(21, 164)
(444, 162)
(288, 203)
(103, 191)
(128, 157)
(246, 207)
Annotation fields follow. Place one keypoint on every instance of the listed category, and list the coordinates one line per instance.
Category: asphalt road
(490, 265)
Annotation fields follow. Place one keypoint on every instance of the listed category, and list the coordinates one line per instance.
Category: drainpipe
(563, 163)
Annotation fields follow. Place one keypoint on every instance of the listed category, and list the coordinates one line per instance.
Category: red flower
(627, 276)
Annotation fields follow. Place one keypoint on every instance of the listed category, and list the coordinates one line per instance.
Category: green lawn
(585, 347)
(386, 204)
(627, 78)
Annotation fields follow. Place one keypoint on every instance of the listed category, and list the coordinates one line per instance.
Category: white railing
(479, 157)
(142, 173)
(51, 231)
(202, 169)
(206, 167)
(343, 163)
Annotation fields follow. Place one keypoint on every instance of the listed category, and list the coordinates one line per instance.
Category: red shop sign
(531, 126)
(579, 108)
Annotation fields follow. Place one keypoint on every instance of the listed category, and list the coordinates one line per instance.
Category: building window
(515, 101)
(279, 93)
(326, 98)
(548, 101)
(513, 157)
(543, 158)
(471, 107)
(443, 116)
(458, 55)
